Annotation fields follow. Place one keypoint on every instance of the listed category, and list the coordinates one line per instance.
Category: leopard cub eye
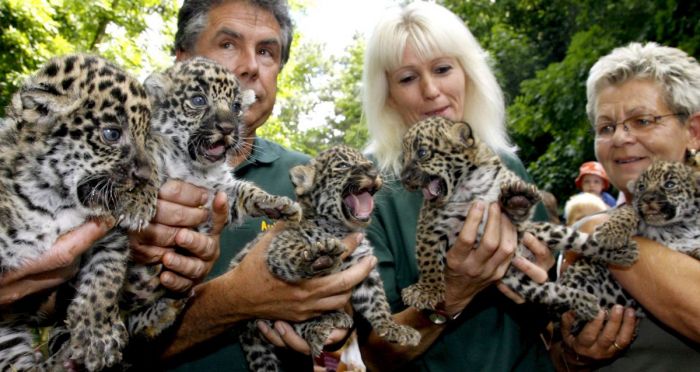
(236, 107)
(670, 184)
(198, 100)
(111, 135)
(342, 166)
(422, 153)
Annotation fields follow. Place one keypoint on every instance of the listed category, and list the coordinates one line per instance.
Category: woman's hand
(57, 265)
(537, 270)
(472, 268)
(187, 255)
(600, 339)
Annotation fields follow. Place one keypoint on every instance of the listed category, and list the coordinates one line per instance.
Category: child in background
(592, 179)
(582, 205)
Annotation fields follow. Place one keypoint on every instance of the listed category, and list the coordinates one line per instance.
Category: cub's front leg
(248, 199)
(296, 254)
(97, 331)
(611, 242)
(431, 246)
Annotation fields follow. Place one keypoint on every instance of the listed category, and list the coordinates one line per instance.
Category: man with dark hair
(251, 38)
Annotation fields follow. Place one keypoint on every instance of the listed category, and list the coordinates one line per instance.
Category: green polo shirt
(268, 167)
(492, 333)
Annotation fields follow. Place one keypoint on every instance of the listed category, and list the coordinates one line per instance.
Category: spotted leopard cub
(454, 169)
(336, 193)
(198, 108)
(665, 208)
(73, 148)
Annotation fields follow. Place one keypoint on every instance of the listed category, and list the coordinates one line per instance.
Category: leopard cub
(454, 169)
(664, 208)
(336, 193)
(198, 107)
(73, 147)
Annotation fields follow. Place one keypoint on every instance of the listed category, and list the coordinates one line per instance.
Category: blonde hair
(433, 31)
(582, 205)
(677, 73)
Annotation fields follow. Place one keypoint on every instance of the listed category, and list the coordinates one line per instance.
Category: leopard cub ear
(302, 177)
(157, 87)
(43, 103)
(461, 133)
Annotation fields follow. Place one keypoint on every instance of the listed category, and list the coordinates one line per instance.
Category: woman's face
(419, 89)
(626, 154)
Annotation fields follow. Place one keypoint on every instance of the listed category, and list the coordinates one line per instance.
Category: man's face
(246, 40)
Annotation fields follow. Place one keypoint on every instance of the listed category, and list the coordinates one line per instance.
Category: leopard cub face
(199, 104)
(79, 131)
(338, 184)
(665, 193)
(433, 149)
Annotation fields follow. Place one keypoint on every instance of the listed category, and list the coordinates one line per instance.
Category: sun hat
(594, 168)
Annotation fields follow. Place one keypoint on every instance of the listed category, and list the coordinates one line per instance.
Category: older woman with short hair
(644, 104)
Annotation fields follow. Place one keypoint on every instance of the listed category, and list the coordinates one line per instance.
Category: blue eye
(111, 135)
(422, 153)
(198, 100)
(236, 107)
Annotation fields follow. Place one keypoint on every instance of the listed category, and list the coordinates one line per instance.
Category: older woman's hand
(600, 339)
(57, 265)
(179, 210)
(472, 268)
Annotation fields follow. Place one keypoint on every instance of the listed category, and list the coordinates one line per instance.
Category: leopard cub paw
(517, 199)
(423, 295)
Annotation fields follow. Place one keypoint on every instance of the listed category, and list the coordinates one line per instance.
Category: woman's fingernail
(359, 237)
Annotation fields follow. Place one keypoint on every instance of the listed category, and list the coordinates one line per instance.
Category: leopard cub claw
(423, 295)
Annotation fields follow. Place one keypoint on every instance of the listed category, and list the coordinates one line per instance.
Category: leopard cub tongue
(361, 205)
(216, 150)
(433, 190)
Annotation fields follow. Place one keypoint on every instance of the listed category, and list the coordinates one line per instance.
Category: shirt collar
(263, 153)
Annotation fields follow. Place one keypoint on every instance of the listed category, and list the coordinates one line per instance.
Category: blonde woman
(421, 61)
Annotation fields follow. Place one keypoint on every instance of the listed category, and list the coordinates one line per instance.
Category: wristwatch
(439, 316)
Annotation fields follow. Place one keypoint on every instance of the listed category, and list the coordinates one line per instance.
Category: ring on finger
(616, 346)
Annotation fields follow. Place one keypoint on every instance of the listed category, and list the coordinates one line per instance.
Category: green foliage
(542, 51)
(310, 82)
(31, 31)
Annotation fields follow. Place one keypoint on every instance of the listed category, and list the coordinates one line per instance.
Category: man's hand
(57, 265)
(260, 295)
(179, 210)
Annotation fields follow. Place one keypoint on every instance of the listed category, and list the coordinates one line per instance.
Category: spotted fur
(198, 108)
(73, 148)
(335, 191)
(665, 208)
(454, 169)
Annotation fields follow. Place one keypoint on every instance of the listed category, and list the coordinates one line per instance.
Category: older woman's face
(626, 154)
(423, 88)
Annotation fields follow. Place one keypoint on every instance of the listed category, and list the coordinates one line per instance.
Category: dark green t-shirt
(492, 333)
(268, 167)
